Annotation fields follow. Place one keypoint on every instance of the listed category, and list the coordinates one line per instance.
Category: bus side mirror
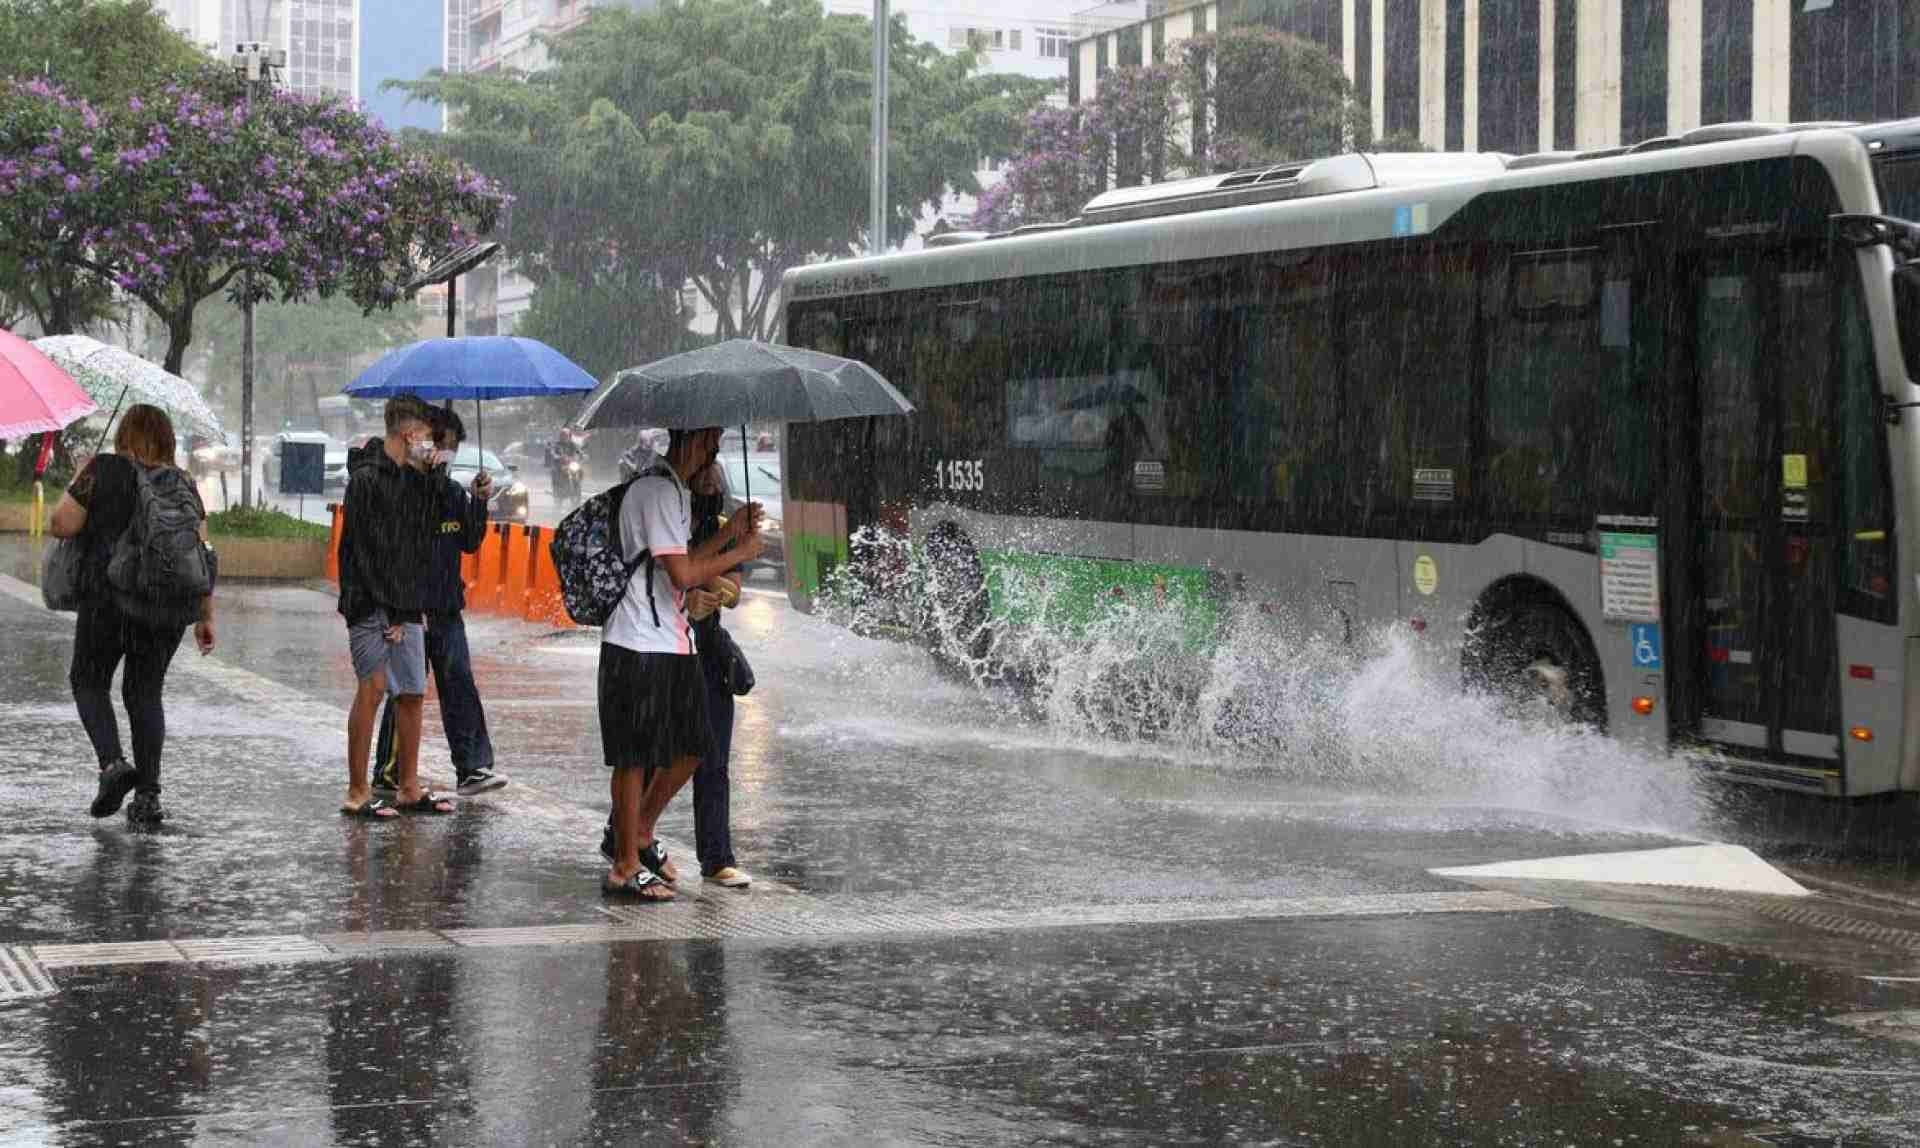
(1906, 313)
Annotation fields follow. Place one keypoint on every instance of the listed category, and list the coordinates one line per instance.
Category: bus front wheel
(956, 599)
(1537, 656)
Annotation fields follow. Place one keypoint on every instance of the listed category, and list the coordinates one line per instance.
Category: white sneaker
(730, 878)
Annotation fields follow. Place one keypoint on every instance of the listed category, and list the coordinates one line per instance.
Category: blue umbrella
(473, 367)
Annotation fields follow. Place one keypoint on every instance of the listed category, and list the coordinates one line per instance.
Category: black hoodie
(458, 530)
(392, 516)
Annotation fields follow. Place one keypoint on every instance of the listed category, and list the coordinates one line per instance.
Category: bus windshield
(1899, 178)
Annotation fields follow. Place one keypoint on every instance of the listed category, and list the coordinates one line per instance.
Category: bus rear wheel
(1536, 656)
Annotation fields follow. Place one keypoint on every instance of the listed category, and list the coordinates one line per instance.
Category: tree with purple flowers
(1223, 101)
(173, 195)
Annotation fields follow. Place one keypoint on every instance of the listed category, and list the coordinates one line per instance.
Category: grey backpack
(160, 569)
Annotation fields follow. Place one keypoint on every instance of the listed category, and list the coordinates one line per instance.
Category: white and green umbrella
(116, 377)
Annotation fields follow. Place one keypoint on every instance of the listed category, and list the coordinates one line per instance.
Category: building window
(1854, 61)
(1566, 77)
(1402, 63)
(1726, 61)
(1054, 43)
(1013, 40)
(1643, 70)
(1509, 118)
(1456, 82)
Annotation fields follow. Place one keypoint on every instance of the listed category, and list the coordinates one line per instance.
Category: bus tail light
(1864, 673)
(1643, 705)
(1419, 625)
(1861, 733)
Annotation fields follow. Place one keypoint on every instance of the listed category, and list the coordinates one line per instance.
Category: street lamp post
(448, 271)
(256, 63)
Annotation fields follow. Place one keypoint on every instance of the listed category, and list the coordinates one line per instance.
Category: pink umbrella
(35, 394)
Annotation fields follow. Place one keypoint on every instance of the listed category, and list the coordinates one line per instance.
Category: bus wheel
(956, 600)
(1536, 655)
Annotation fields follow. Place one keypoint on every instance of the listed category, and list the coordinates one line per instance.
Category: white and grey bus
(1641, 426)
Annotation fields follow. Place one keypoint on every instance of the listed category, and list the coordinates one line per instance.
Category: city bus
(1633, 431)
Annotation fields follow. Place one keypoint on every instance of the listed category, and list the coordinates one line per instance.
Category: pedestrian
(725, 673)
(393, 508)
(654, 728)
(132, 502)
(461, 527)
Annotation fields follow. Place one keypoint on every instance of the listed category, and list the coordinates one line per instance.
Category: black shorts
(653, 709)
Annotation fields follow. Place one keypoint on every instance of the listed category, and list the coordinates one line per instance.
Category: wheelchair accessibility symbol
(1645, 637)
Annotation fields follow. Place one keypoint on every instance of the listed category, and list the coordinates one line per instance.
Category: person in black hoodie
(461, 529)
(393, 509)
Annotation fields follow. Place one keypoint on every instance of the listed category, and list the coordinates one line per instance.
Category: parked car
(211, 455)
(510, 495)
(758, 475)
(335, 477)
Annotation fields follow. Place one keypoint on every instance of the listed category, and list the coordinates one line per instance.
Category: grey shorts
(404, 661)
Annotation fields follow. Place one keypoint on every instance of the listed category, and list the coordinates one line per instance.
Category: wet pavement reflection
(871, 788)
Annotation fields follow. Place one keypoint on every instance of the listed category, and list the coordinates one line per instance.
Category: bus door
(1757, 517)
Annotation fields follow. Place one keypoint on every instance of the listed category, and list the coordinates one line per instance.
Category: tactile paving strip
(21, 977)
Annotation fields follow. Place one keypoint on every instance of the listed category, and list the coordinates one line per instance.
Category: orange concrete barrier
(339, 513)
(518, 558)
(483, 593)
(544, 601)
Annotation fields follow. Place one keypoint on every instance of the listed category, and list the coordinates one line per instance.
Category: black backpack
(586, 550)
(160, 569)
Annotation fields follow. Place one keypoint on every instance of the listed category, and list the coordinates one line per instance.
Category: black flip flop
(369, 810)
(654, 857)
(428, 803)
(635, 887)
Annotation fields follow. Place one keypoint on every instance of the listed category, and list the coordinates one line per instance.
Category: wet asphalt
(1010, 930)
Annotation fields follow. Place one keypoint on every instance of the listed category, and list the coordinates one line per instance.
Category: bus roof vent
(1542, 159)
(1721, 133)
(955, 238)
(1331, 176)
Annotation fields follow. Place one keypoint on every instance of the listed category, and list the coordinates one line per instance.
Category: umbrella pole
(746, 470)
(114, 414)
(480, 429)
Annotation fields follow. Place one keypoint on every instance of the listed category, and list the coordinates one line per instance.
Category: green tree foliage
(718, 142)
(1244, 97)
(605, 330)
(1269, 97)
(103, 52)
(302, 351)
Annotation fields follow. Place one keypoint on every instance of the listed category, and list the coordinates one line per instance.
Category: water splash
(1377, 712)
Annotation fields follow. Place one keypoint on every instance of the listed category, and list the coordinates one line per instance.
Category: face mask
(443, 458)
(420, 452)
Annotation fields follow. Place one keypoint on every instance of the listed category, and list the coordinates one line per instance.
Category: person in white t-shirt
(653, 703)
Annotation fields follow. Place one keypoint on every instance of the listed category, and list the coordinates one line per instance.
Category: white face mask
(420, 452)
(443, 458)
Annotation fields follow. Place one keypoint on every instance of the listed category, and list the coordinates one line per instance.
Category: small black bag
(735, 673)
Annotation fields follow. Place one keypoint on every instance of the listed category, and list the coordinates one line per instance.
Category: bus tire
(956, 601)
(1534, 652)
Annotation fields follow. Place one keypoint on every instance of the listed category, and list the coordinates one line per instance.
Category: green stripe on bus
(1065, 594)
(813, 557)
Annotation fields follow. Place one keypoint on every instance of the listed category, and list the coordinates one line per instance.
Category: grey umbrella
(739, 382)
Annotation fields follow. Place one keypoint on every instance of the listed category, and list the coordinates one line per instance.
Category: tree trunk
(179, 336)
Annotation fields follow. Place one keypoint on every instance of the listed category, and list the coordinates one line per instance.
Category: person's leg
(385, 776)
(712, 834)
(666, 784)
(149, 652)
(409, 714)
(460, 709)
(366, 706)
(97, 650)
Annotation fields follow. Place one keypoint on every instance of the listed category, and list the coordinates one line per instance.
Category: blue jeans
(461, 714)
(712, 831)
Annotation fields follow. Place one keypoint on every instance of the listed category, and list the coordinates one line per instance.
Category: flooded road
(974, 919)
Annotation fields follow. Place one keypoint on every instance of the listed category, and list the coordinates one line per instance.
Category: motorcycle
(569, 479)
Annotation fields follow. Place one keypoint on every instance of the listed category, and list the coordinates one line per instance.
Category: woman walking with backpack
(123, 507)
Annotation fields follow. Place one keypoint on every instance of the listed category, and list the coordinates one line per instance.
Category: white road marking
(1728, 868)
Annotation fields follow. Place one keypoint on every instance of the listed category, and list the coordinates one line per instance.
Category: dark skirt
(653, 709)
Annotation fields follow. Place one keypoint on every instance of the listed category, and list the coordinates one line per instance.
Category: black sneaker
(116, 781)
(145, 811)
(480, 781)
